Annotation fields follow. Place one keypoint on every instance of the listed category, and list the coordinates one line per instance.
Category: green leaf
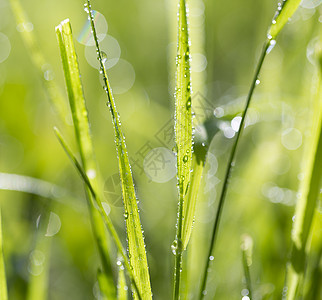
(183, 137)
(103, 213)
(83, 136)
(191, 200)
(134, 232)
(121, 284)
(39, 275)
(310, 193)
(284, 12)
(3, 281)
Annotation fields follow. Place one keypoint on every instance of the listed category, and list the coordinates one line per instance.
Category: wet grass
(121, 270)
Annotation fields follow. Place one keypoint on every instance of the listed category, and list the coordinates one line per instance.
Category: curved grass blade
(134, 232)
(105, 217)
(277, 25)
(43, 68)
(3, 280)
(310, 193)
(183, 135)
(83, 137)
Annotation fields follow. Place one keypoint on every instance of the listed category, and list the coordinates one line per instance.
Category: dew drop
(258, 81)
(126, 215)
(185, 158)
(272, 43)
(174, 247)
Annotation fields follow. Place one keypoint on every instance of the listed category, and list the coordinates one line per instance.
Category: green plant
(118, 268)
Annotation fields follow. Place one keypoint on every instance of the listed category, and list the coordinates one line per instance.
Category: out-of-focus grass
(267, 171)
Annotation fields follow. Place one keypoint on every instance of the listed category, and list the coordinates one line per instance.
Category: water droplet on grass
(258, 81)
(272, 44)
(174, 247)
(185, 158)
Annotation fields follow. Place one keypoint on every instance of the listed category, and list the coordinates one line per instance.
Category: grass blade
(134, 232)
(39, 279)
(39, 61)
(3, 280)
(277, 25)
(247, 253)
(284, 12)
(121, 284)
(83, 137)
(310, 193)
(106, 218)
(183, 135)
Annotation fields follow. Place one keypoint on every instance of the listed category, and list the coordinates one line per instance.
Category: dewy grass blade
(277, 23)
(310, 193)
(106, 218)
(3, 280)
(134, 232)
(183, 134)
(83, 137)
(284, 12)
(121, 283)
(44, 69)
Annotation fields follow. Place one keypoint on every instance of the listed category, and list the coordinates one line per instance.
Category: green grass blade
(134, 232)
(247, 257)
(310, 193)
(39, 280)
(284, 12)
(268, 45)
(107, 290)
(191, 200)
(183, 135)
(3, 280)
(83, 137)
(106, 218)
(53, 91)
(121, 284)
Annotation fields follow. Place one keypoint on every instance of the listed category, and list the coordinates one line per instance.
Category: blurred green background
(139, 39)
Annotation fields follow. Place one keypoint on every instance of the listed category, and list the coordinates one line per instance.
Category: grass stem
(232, 156)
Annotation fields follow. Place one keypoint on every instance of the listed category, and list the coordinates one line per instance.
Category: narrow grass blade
(310, 193)
(191, 200)
(183, 136)
(121, 284)
(247, 257)
(3, 280)
(43, 68)
(134, 232)
(107, 290)
(268, 46)
(83, 137)
(39, 264)
(284, 12)
(103, 213)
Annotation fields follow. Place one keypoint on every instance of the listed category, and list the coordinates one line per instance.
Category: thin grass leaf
(191, 200)
(107, 291)
(247, 257)
(134, 232)
(103, 213)
(3, 280)
(290, 7)
(284, 12)
(39, 272)
(43, 68)
(183, 136)
(310, 193)
(121, 284)
(83, 136)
